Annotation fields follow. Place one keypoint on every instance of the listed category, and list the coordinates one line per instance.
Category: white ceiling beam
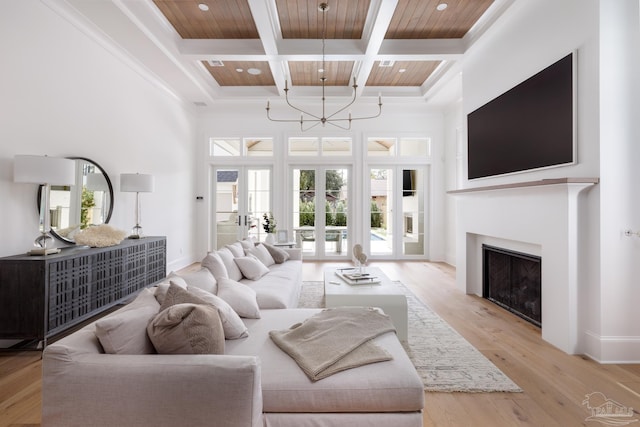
(378, 20)
(421, 49)
(265, 16)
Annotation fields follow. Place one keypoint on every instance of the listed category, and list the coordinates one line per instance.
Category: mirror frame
(111, 197)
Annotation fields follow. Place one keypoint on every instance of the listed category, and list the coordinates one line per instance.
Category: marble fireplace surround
(542, 218)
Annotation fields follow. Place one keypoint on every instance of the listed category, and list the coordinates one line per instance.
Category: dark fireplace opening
(513, 281)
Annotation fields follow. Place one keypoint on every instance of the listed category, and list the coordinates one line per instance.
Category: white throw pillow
(233, 326)
(240, 297)
(251, 267)
(263, 255)
(214, 264)
(236, 249)
(201, 278)
(232, 268)
(247, 245)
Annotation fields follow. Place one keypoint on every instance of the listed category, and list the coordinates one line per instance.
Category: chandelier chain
(312, 120)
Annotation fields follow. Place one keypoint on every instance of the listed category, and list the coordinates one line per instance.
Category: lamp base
(44, 251)
(136, 232)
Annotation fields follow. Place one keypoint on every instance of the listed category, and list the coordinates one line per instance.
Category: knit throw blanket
(334, 340)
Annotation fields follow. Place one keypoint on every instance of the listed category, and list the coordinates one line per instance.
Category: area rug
(445, 361)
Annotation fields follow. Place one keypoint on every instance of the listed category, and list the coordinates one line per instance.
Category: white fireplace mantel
(542, 218)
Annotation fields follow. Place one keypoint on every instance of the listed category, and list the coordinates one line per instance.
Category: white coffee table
(385, 295)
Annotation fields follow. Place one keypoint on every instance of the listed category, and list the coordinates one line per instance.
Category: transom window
(237, 147)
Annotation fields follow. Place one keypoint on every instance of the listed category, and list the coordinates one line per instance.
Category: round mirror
(76, 207)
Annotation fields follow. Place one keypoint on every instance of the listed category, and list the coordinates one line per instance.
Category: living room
(68, 90)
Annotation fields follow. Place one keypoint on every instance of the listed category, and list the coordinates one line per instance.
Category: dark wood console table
(41, 296)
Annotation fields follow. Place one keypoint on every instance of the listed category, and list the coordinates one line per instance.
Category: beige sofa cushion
(240, 297)
(390, 386)
(126, 332)
(187, 329)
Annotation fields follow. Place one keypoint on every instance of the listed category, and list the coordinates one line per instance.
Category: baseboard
(612, 349)
(181, 263)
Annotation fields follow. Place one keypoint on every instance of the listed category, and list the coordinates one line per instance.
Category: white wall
(604, 34)
(248, 119)
(64, 94)
(619, 332)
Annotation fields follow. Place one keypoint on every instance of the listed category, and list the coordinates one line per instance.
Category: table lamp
(46, 171)
(138, 183)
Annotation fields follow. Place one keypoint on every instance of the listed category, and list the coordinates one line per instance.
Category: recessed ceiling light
(321, 70)
(254, 71)
(402, 70)
(441, 6)
(239, 70)
(203, 7)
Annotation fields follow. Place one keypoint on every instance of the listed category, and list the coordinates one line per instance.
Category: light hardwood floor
(554, 383)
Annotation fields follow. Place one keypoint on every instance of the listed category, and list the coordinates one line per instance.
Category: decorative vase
(270, 239)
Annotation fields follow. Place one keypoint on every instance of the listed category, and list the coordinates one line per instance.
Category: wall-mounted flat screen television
(528, 127)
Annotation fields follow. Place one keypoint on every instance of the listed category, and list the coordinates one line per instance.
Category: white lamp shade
(96, 182)
(136, 182)
(44, 170)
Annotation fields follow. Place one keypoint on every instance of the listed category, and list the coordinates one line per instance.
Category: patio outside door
(397, 202)
(241, 196)
(320, 214)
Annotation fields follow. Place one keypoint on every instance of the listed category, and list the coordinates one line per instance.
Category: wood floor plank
(554, 384)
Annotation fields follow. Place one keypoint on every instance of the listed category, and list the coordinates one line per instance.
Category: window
(236, 147)
(313, 146)
(401, 147)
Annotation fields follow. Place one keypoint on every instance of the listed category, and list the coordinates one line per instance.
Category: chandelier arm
(333, 123)
(368, 117)
(281, 120)
(286, 97)
(317, 122)
(346, 106)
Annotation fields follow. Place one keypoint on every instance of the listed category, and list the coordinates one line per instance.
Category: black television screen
(528, 127)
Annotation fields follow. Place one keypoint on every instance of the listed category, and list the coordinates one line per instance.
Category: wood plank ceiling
(352, 25)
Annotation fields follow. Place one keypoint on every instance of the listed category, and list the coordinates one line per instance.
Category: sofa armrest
(155, 390)
(294, 253)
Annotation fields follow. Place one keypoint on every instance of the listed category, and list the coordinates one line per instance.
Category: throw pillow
(247, 244)
(214, 264)
(251, 267)
(236, 249)
(278, 255)
(231, 322)
(263, 255)
(178, 280)
(232, 268)
(240, 297)
(187, 329)
(201, 278)
(126, 332)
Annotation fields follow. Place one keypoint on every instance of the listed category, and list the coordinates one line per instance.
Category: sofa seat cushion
(392, 386)
(280, 288)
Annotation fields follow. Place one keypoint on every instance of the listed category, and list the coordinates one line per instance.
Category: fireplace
(513, 281)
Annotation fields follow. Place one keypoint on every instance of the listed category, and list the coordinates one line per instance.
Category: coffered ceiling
(206, 50)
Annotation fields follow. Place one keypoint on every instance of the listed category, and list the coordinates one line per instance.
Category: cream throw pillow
(251, 267)
(233, 326)
(214, 264)
(232, 269)
(263, 255)
(187, 329)
(240, 297)
(236, 249)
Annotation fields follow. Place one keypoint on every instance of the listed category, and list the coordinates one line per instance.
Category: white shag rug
(445, 361)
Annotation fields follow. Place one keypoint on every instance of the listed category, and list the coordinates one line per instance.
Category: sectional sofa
(109, 373)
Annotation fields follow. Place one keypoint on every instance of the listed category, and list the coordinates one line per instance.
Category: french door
(241, 196)
(320, 210)
(396, 205)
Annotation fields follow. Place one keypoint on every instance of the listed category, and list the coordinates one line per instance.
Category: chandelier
(309, 120)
